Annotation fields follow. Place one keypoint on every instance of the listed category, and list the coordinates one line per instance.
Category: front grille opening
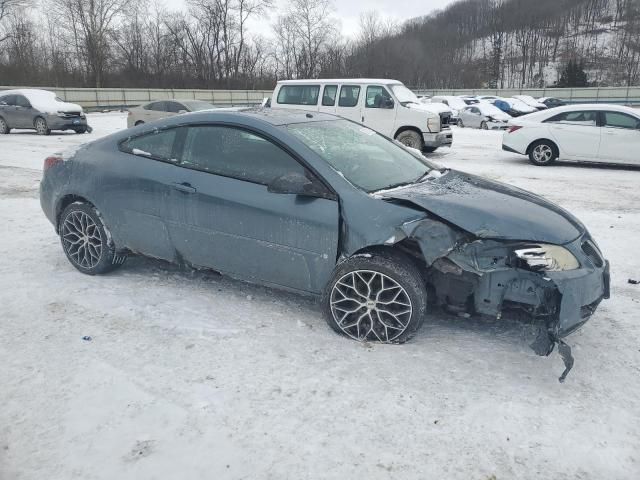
(592, 252)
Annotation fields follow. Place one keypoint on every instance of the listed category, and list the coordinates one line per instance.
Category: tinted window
(22, 101)
(299, 94)
(156, 106)
(174, 107)
(620, 120)
(349, 96)
(377, 97)
(236, 153)
(158, 145)
(584, 118)
(9, 99)
(365, 158)
(329, 95)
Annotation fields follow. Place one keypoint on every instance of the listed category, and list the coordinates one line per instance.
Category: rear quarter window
(158, 145)
(298, 94)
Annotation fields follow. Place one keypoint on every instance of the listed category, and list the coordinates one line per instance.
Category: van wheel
(410, 139)
(543, 152)
(380, 298)
(4, 128)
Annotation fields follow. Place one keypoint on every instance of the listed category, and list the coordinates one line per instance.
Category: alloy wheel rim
(82, 239)
(40, 125)
(542, 153)
(368, 305)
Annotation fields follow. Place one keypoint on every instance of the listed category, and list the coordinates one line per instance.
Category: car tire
(411, 139)
(484, 126)
(86, 241)
(139, 122)
(80, 130)
(4, 128)
(543, 153)
(379, 297)
(41, 126)
(460, 123)
(429, 149)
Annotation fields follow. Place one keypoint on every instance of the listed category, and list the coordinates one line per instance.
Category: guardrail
(621, 95)
(101, 98)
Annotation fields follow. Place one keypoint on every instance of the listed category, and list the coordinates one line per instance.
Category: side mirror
(296, 184)
(388, 103)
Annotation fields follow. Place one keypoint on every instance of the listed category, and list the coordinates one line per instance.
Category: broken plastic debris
(565, 352)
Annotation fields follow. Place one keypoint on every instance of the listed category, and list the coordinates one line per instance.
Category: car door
(620, 141)
(225, 217)
(380, 110)
(328, 99)
(135, 192)
(24, 113)
(474, 116)
(8, 110)
(576, 133)
(349, 103)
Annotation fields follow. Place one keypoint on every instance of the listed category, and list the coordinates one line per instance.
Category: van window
(349, 96)
(329, 95)
(378, 97)
(299, 94)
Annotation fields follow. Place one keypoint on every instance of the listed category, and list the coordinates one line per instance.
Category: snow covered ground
(192, 375)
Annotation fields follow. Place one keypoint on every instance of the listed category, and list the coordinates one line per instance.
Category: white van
(386, 106)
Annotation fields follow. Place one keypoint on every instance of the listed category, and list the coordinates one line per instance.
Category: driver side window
(236, 153)
(377, 97)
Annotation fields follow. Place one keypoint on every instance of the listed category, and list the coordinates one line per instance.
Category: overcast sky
(349, 12)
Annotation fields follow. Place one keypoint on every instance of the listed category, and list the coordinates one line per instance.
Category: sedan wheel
(4, 128)
(380, 299)
(41, 126)
(542, 153)
(484, 126)
(85, 240)
(460, 123)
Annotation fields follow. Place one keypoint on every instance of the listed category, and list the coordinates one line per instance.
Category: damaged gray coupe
(324, 206)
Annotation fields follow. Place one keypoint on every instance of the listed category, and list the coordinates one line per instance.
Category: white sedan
(585, 133)
(483, 115)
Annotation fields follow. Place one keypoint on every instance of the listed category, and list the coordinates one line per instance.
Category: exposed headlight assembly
(433, 124)
(547, 258)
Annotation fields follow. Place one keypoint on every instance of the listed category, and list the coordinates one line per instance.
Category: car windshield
(488, 109)
(403, 94)
(195, 105)
(365, 158)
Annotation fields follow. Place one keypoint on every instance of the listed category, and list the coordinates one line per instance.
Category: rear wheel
(411, 139)
(85, 240)
(139, 122)
(543, 152)
(41, 126)
(4, 128)
(380, 298)
(81, 130)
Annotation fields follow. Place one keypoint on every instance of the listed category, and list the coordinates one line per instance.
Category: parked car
(485, 116)
(487, 98)
(39, 110)
(469, 100)
(317, 204)
(551, 102)
(589, 133)
(164, 108)
(456, 104)
(514, 107)
(532, 102)
(386, 106)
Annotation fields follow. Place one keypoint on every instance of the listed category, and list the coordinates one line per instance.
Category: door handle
(184, 187)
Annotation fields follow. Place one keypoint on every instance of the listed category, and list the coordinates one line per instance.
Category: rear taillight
(51, 161)
(514, 128)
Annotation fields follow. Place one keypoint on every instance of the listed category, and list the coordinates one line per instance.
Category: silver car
(485, 116)
(158, 109)
(39, 110)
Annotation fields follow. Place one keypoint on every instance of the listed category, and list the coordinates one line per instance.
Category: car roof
(357, 81)
(595, 106)
(26, 92)
(276, 117)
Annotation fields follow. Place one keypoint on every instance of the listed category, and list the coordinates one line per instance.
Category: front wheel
(543, 153)
(411, 139)
(460, 123)
(484, 126)
(85, 240)
(42, 127)
(379, 297)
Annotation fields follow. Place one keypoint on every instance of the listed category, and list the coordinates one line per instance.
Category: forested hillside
(208, 44)
(515, 43)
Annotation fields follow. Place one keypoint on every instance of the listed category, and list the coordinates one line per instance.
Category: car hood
(489, 209)
(430, 107)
